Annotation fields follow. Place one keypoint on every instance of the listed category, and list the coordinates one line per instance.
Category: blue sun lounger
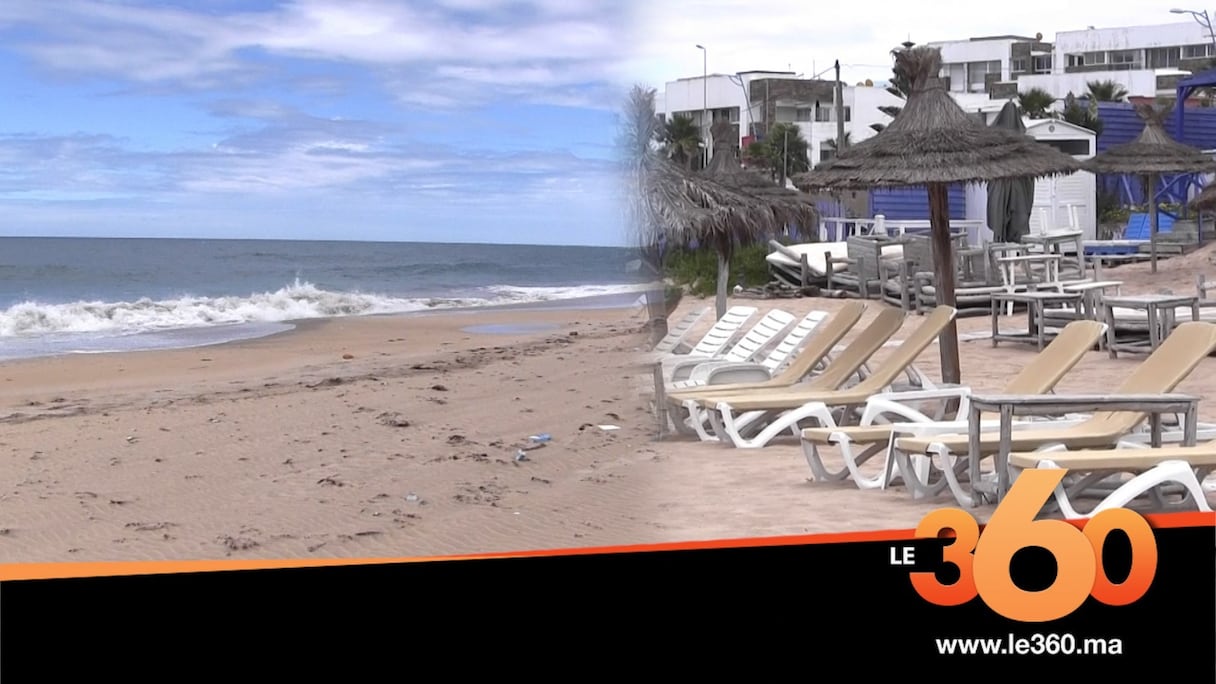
(1135, 234)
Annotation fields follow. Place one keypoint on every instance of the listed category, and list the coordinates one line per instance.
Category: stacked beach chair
(832, 395)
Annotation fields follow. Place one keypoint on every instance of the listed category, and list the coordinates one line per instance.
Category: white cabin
(1057, 197)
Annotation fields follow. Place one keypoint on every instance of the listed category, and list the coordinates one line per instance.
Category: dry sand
(397, 436)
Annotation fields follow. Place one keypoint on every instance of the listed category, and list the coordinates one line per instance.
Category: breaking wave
(300, 300)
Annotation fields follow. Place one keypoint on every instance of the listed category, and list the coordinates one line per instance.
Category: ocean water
(91, 295)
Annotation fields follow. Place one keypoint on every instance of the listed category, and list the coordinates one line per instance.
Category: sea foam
(298, 301)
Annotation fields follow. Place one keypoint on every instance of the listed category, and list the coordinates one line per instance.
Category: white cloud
(534, 46)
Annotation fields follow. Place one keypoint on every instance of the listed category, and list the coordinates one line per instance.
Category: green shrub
(697, 270)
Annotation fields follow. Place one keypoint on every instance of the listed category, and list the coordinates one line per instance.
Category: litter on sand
(608, 428)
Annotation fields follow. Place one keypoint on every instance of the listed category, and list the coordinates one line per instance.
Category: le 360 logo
(983, 561)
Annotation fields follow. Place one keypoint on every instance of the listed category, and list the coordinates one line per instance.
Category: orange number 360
(983, 561)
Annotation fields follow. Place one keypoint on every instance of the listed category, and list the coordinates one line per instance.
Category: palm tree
(1036, 103)
(667, 204)
(1106, 91)
(640, 130)
(757, 155)
(681, 140)
(831, 144)
(787, 151)
(900, 86)
(1082, 115)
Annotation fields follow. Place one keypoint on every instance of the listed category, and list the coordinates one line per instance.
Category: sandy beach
(398, 435)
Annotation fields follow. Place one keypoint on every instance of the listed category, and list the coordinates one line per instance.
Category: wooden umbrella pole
(943, 274)
(723, 277)
(1152, 221)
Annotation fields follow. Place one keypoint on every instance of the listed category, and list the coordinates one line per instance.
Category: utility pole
(785, 156)
(766, 120)
(839, 92)
(705, 105)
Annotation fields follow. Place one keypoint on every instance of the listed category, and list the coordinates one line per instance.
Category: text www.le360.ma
(1038, 644)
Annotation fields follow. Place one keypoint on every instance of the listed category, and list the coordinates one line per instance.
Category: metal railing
(840, 229)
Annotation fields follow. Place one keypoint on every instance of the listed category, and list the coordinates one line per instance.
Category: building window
(1126, 58)
(827, 113)
(1042, 64)
(826, 153)
(803, 114)
(1163, 58)
(1076, 60)
(1072, 147)
(1092, 58)
(978, 71)
(1197, 51)
(1018, 66)
(728, 114)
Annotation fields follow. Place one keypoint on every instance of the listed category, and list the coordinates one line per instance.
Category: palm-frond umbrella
(1151, 154)
(1206, 199)
(1010, 201)
(787, 205)
(933, 143)
(671, 204)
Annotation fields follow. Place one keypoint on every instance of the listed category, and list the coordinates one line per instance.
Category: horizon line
(305, 239)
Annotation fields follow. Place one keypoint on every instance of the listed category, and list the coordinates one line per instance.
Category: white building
(753, 100)
(975, 65)
(1146, 60)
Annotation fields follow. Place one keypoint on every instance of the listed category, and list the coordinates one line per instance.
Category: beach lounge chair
(1151, 468)
(726, 371)
(718, 337)
(1177, 356)
(748, 348)
(782, 410)
(815, 350)
(808, 359)
(712, 343)
(677, 332)
(1136, 233)
(785, 262)
(874, 432)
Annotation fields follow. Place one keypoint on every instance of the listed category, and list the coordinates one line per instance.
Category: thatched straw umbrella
(932, 142)
(1151, 154)
(1206, 199)
(670, 204)
(788, 206)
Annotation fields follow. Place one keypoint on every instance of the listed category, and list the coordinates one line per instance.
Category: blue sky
(448, 120)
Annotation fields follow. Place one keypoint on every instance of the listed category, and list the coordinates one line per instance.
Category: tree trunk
(723, 283)
(943, 276)
(656, 294)
(656, 312)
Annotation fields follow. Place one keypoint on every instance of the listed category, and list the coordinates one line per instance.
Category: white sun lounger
(730, 371)
(748, 348)
(676, 333)
(1152, 470)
